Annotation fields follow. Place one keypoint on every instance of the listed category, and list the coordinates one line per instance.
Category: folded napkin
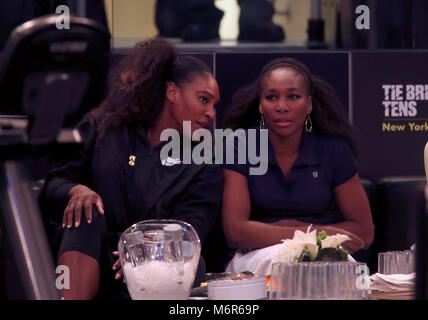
(392, 286)
(257, 261)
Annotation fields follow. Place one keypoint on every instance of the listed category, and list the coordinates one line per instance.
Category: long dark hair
(328, 115)
(138, 84)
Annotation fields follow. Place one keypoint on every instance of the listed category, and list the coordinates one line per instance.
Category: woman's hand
(352, 245)
(116, 266)
(355, 244)
(81, 197)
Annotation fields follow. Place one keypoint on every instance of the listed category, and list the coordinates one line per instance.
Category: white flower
(305, 238)
(334, 241)
(293, 248)
(290, 252)
(313, 250)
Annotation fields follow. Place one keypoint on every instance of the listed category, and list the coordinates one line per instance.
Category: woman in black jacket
(119, 173)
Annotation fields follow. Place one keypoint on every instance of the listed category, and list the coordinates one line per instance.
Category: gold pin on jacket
(132, 159)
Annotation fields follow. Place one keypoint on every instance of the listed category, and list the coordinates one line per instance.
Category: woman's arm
(73, 169)
(353, 204)
(66, 185)
(240, 231)
(244, 233)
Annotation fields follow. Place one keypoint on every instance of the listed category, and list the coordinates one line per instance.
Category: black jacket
(147, 190)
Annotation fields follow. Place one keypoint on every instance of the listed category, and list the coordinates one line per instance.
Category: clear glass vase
(159, 259)
(320, 280)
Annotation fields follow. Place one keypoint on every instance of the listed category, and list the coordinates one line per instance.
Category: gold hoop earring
(262, 122)
(308, 124)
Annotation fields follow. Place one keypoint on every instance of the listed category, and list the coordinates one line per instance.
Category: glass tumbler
(396, 262)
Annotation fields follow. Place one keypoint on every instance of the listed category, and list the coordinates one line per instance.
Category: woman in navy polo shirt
(312, 176)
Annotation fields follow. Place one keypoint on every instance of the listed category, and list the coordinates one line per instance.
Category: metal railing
(20, 215)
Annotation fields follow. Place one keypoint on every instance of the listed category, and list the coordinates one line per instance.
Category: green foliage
(324, 254)
(321, 236)
(343, 253)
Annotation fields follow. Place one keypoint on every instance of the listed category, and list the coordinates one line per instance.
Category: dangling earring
(308, 124)
(262, 122)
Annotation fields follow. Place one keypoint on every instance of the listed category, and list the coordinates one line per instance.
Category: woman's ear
(171, 92)
(309, 104)
(260, 108)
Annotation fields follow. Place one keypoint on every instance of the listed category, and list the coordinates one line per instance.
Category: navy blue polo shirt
(323, 163)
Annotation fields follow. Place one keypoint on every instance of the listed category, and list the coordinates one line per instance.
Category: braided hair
(138, 84)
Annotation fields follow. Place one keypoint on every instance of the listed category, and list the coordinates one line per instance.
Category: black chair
(49, 78)
(398, 201)
(365, 255)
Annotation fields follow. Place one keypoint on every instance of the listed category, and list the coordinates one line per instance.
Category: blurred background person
(199, 20)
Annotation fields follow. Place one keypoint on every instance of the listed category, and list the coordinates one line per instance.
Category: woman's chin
(282, 131)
